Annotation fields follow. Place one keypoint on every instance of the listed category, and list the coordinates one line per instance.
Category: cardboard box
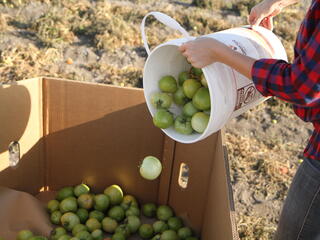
(71, 132)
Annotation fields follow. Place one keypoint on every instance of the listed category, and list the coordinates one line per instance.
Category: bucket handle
(166, 20)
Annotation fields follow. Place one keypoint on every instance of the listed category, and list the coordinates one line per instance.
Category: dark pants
(300, 217)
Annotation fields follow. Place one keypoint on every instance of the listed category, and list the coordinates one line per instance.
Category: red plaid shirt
(299, 82)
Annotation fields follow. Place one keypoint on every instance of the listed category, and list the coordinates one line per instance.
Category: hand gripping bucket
(231, 93)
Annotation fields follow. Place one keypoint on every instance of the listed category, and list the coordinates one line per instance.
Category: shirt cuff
(260, 73)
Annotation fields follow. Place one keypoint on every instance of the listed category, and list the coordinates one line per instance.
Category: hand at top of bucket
(199, 51)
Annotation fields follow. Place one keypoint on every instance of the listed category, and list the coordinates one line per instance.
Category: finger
(190, 60)
(251, 18)
(257, 21)
(183, 47)
(185, 53)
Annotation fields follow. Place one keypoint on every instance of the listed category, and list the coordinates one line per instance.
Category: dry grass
(22, 62)
(53, 27)
(268, 169)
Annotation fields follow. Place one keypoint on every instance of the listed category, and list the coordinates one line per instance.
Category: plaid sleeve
(299, 82)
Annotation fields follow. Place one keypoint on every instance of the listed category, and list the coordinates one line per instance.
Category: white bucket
(231, 93)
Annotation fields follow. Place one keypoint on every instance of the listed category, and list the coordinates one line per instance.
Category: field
(99, 41)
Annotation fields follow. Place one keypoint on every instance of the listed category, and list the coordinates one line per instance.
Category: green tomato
(69, 220)
(118, 236)
(64, 237)
(169, 235)
(201, 99)
(84, 235)
(117, 213)
(53, 205)
(189, 109)
(156, 237)
(97, 234)
(203, 81)
(55, 217)
(81, 189)
(199, 122)
(184, 232)
(168, 84)
(161, 100)
(24, 235)
(124, 229)
(133, 211)
(38, 238)
(129, 201)
(149, 210)
(146, 231)
(179, 97)
(68, 204)
(196, 71)
(133, 223)
(83, 214)
(182, 77)
(160, 226)
(182, 125)
(190, 87)
(57, 232)
(97, 214)
(150, 168)
(175, 223)
(164, 212)
(163, 119)
(78, 228)
(64, 193)
(109, 225)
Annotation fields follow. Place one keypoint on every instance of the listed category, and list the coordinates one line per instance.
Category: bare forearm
(241, 63)
(284, 3)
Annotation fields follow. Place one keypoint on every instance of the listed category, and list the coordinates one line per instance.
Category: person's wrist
(214, 50)
(218, 51)
(284, 3)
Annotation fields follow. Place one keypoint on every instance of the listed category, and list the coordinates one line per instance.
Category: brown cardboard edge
(45, 113)
(91, 83)
(38, 89)
(166, 175)
(213, 224)
(231, 198)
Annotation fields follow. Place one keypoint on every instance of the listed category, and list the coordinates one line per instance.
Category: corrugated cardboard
(71, 132)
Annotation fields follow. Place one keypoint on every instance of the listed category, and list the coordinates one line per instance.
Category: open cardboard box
(71, 132)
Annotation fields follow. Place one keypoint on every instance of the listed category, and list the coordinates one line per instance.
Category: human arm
(263, 13)
(298, 83)
(204, 51)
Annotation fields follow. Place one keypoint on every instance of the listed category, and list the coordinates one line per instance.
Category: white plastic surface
(231, 93)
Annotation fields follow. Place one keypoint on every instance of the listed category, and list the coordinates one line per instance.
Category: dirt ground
(99, 41)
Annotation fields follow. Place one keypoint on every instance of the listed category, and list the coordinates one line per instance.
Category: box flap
(21, 121)
(219, 219)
